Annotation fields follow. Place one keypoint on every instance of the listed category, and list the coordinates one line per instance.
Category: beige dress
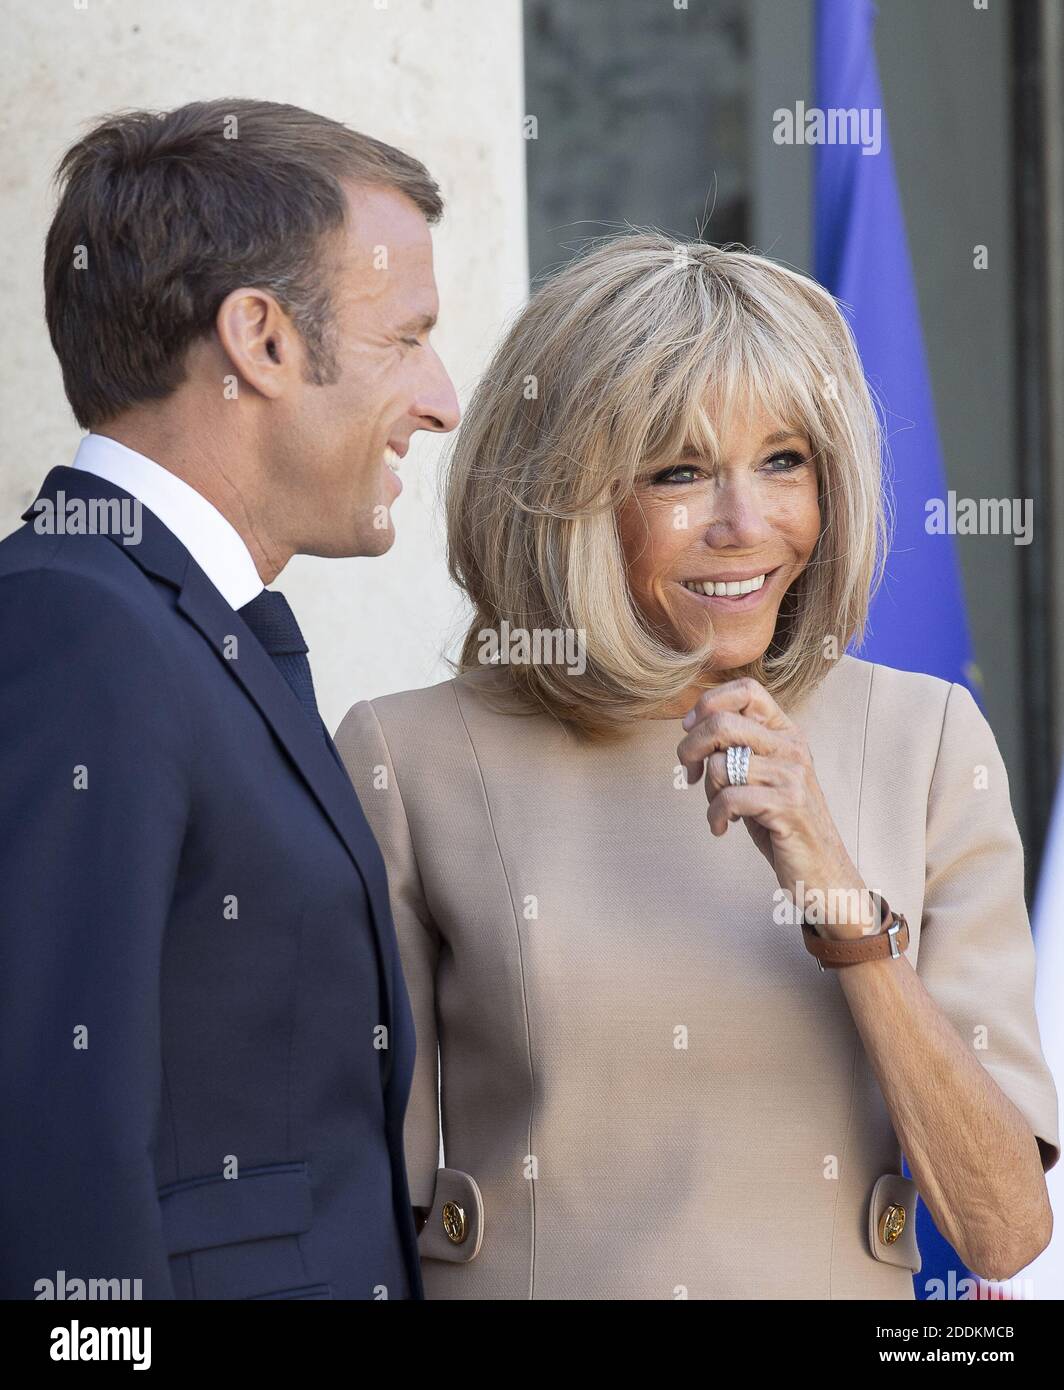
(649, 1090)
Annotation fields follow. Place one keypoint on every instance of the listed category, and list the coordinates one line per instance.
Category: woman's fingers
(744, 696)
(725, 729)
(735, 803)
(758, 772)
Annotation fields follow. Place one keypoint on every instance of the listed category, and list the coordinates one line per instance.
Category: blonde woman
(665, 508)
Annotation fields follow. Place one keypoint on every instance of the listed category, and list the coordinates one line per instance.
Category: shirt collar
(212, 541)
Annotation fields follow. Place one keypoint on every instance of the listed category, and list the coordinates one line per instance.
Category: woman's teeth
(391, 458)
(729, 589)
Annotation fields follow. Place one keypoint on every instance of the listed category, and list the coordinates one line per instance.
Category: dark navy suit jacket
(198, 964)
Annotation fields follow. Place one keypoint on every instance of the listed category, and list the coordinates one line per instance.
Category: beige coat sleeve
(976, 954)
(362, 745)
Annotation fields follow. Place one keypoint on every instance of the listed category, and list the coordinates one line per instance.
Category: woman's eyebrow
(781, 437)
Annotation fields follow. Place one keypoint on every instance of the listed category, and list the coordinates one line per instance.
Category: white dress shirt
(213, 542)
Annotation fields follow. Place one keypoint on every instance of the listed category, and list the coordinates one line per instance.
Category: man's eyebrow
(422, 324)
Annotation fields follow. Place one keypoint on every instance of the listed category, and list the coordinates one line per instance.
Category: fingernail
(689, 719)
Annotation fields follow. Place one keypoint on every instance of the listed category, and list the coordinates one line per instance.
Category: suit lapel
(253, 668)
(162, 555)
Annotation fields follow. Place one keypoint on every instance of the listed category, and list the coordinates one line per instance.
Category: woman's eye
(682, 473)
(788, 461)
(679, 473)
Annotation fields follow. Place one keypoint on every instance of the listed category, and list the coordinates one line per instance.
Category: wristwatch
(889, 942)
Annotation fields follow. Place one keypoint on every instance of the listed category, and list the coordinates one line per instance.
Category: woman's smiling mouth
(729, 592)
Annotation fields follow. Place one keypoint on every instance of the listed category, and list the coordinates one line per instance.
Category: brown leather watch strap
(832, 954)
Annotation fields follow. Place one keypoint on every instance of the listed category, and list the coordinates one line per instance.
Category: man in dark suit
(206, 1039)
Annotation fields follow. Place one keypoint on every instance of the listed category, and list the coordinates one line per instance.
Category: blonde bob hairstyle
(634, 349)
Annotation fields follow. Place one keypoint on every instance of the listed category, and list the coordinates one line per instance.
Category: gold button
(891, 1224)
(454, 1223)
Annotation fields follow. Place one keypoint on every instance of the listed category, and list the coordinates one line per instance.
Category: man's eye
(412, 342)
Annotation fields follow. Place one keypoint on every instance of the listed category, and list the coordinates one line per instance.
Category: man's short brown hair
(162, 213)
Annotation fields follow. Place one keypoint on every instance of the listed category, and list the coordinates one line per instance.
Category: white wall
(441, 79)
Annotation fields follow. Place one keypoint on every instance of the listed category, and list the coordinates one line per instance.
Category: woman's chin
(736, 644)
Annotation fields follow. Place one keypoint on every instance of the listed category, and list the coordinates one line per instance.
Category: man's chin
(377, 540)
(366, 543)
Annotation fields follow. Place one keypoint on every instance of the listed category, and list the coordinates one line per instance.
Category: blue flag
(917, 620)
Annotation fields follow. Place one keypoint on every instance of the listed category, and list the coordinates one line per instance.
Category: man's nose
(437, 406)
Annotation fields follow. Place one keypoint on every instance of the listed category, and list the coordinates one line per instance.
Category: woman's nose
(738, 519)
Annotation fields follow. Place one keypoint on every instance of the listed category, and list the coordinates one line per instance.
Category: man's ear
(259, 339)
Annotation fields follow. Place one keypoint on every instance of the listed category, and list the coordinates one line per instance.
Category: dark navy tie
(274, 624)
